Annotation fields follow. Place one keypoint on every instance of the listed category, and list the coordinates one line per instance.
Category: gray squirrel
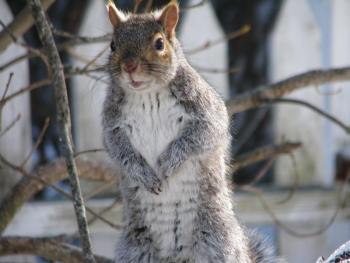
(166, 129)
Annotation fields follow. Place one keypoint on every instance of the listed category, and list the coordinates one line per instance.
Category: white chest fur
(152, 121)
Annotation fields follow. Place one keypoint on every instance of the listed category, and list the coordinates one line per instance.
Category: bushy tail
(260, 251)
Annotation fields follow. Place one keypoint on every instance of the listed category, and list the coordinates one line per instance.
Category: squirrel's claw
(152, 183)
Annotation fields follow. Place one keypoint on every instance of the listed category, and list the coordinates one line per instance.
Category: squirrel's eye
(159, 44)
(113, 46)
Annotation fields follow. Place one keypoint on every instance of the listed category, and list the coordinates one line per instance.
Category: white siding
(296, 47)
(16, 143)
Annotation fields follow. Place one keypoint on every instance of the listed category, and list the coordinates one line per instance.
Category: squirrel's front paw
(165, 165)
(151, 181)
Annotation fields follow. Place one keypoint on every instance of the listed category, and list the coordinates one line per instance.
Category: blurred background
(286, 37)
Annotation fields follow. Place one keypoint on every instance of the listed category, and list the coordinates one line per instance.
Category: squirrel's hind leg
(135, 247)
(220, 241)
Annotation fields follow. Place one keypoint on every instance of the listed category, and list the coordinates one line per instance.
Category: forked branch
(256, 98)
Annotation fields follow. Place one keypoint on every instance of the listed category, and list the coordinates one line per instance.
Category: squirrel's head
(143, 47)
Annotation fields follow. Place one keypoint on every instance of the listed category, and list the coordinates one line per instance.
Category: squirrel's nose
(130, 66)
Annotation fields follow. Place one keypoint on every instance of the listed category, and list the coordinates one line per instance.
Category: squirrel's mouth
(137, 84)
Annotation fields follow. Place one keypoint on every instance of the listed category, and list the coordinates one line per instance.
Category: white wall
(341, 58)
(88, 93)
(296, 47)
(16, 143)
(199, 27)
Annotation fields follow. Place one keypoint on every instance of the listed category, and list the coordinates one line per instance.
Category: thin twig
(45, 82)
(81, 40)
(240, 32)
(62, 46)
(3, 96)
(249, 130)
(92, 61)
(295, 185)
(7, 85)
(9, 127)
(37, 143)
(263, 171)
(63, 121)
(216, 70)
(28, 88)
(88, 151)
(100, 189)
(279, 223)
(105, 210)
(75, 55)
(333, 119)
(16, 60)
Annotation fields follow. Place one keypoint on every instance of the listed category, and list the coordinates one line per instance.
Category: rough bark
(258, 97)
(63, 121)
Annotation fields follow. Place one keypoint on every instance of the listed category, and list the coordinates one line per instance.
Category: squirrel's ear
(115, 15)
(169, 17)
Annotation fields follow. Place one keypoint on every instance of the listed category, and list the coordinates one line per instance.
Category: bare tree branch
(50, 248)
(45, 82)
(47, 175)
(9, 127)
(255, 98)
(89, 151)
(249, 130)
(38, 142)
(242, 31)
(215, 70)
(63, 121)
(201, 3)
(3, 96)
(21, 23)
(76, 40)
(279, 223)
(95, 58)
(341, 199)
(21, 91)
(263, 171)
(31, 50)
(263, 153)
(105, 210)
(16, 60)
(80, 40)
(100, 189)
(7, 85)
